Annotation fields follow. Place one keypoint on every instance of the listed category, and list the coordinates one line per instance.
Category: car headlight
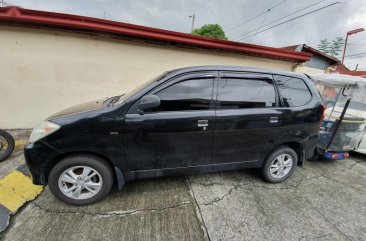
(43, 130)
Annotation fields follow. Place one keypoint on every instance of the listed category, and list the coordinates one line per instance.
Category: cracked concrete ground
(325, 200)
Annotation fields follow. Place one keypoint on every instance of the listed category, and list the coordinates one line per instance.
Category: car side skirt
(181, 171)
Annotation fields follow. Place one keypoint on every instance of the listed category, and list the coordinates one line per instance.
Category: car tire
(10, 145)
(89, 178)
(279, 165)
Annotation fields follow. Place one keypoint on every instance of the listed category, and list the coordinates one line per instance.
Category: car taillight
(335, 156)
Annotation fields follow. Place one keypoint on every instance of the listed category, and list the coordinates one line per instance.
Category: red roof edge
(61, 20)
(342, 69)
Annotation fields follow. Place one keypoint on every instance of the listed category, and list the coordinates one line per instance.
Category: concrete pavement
(325, 200)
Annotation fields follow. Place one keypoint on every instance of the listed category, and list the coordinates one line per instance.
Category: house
(321, 62)
(318, 63)
(51, 61)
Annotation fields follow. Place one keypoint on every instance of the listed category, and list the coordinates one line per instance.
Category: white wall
(44, 71)
(309, 70)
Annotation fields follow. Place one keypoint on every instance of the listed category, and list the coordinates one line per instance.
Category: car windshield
(138, 88)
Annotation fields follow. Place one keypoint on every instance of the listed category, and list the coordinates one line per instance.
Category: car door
(178, 133)
(248, 117)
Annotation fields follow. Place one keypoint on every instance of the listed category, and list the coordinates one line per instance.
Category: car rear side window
(293, 91)
(194, 94)
(239, 93)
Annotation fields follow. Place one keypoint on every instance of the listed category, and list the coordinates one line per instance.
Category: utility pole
(2, 3)
(345, 44)
(193, 18)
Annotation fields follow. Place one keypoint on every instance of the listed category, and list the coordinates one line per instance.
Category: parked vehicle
(344, 124)
(6, 145)
(362, 147)
(190, 120)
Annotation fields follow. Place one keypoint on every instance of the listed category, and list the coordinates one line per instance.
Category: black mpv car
(190, 120)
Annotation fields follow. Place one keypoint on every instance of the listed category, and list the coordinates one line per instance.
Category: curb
(16, 189)
(20, 136)
(19, 144)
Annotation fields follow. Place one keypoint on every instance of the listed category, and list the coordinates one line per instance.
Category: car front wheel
(81, 180)
(279, 165)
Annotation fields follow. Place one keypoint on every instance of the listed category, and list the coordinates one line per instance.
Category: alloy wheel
(80, 182)
(281, 166)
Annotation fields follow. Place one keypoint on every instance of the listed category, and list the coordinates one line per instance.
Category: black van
(190, 120)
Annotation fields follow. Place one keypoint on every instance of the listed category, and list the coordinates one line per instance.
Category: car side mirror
(149, 102)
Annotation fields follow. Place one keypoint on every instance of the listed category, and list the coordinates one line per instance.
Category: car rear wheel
(279, 165)
(81, 180)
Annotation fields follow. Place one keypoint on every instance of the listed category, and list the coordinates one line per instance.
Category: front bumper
(39, 158)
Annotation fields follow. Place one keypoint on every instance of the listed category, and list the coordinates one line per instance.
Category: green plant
(211, 30)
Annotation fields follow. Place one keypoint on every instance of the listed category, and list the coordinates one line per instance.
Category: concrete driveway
(325, 200)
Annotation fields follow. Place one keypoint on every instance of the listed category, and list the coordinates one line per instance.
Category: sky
(233, 16)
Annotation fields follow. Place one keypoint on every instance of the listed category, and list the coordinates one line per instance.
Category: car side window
(293, 91)
(193, 94)
(239, 93)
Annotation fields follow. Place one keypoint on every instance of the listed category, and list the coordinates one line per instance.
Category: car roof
(235, 68)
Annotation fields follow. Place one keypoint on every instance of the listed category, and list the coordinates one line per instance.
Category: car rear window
(293, 91)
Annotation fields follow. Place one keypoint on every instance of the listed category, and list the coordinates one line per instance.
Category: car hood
(85, 107)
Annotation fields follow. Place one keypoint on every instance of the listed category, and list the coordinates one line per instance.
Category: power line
(356, 41)
(281, 30)
(257, 16)
(264, 19)
(353, 56)
(288, 15)
(356, 57)
(305, 14)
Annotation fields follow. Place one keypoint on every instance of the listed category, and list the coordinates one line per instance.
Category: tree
(211, 30)
(324, 45)
(336, 46)
(332, 48)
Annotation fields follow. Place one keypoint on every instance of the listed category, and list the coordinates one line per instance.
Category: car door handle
(202, 123)
(273, 120)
